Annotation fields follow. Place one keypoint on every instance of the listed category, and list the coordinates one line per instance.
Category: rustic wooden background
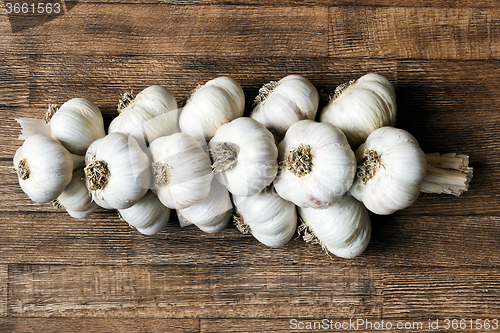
(438, 259)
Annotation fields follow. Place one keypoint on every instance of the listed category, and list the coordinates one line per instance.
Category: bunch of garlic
(312, 167)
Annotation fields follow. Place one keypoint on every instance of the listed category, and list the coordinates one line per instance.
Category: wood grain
(397, 240)
(4, 283)
(414, 33)
(98, 325)
(194, 291)
(135, 29)
(442, 293)
(14, 89)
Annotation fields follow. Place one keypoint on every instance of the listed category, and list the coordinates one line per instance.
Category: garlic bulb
(317, 165)
(344, 229)
(147, 116)
(267, 216)
(280, 104)
(44, 167)
(244, 156)
(360, 107)
(217, 102)
(182, 170)
(149, 216)
(211, 214)
(76, 198)
(117, 171)
(76, 124)
(392, 168)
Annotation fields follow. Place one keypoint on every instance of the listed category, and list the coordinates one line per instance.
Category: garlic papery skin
(182, 170)
(391, 169)
(344, 228)
(210, 106)
(280, 104)
(149, 115)
(244, 156)
(213, 213)
(76, 198)
(149, 216)
(117, 171)
(76, 124)
(317, 165)
(268, 217)
(44, 167)
(360, 107)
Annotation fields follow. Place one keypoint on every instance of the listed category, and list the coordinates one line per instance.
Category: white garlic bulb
(213, 213)
(76, 124)
(149, 216)
(117, 171)
(392, 168)
(344, 229)
(317, 165)
(76, 198)
(268, 217)
(282, 103)
(182, 170)
(217, 102)
(44, 167)
(360, 107)
(244, 156)
(149, 115)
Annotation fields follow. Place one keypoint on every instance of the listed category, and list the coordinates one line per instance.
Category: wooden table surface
(437, 260)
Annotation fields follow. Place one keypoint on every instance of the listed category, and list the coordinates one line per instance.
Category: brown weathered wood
(414, 33)
(192, 291)
(14, 75)
(440, 293)
(397, 240)
(98, 325)
(4, 282)
(135, 29)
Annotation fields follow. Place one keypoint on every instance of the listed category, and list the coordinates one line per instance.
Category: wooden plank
(54, 80)
(98, 325)
(4, 283)
(135, 29)
(56, 238)
(14, 88)
(385, 3)
(186, 291)
(59, 238)
(414, 33)
(440, 293)
(451, 107)
(329, 324)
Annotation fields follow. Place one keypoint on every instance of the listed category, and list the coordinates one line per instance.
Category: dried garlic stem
(51, 111)
(340, 90)
(224, 157)
(190, 95)
(240, 223)
(125, 100)
(265, 91)
(310, 237)
(447, 173)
